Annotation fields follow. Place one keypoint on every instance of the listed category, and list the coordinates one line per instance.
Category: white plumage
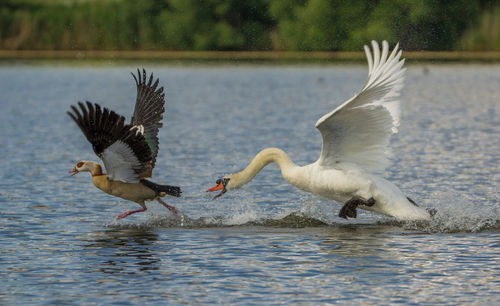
(358, 131)
(355, 145)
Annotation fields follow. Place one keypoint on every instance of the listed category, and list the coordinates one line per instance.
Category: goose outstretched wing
(358, 131)
(149, 109)
(125, 153)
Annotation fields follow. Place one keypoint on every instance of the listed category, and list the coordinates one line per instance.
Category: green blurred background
(282, 25)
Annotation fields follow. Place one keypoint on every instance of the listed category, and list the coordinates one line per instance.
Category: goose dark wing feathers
(125, 153)
(149, 109)
(100, 127)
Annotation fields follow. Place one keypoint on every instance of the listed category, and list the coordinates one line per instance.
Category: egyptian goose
(355, 143)
(128, 151)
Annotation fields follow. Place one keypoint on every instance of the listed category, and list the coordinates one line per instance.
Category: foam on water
(451, 217)
(455, 214)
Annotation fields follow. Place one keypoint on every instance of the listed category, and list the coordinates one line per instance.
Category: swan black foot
(349, 208)
(432, 211)
(412, 202)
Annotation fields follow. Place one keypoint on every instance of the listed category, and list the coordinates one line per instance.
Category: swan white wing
(358, 131)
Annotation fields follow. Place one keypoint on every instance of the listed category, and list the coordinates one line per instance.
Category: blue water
(267, 242)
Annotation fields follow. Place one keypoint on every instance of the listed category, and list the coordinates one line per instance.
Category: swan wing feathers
(149, 109)
(125, 153)
(358, 131)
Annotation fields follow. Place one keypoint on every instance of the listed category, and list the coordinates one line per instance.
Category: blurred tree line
(248, 25)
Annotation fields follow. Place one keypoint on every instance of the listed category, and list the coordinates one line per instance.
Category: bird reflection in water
(125, 251)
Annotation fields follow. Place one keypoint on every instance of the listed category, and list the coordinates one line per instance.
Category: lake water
(267, 243)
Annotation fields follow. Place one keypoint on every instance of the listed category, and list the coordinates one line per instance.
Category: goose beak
(73, 171)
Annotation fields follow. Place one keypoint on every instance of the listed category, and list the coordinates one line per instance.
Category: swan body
(355, 147)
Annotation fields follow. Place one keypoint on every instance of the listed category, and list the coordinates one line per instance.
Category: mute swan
(355, 144)
(127, 150)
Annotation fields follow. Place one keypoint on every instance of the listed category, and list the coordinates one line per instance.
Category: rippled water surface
(267, 242)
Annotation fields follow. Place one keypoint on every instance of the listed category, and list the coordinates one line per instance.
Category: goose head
(86, 166)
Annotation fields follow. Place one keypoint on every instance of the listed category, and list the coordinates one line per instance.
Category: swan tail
(431, 211)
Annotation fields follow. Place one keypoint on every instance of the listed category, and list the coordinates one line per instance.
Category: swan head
(221, 184)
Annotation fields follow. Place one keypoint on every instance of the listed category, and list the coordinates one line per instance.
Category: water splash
(460, 215)
(453, 215)
(445, 221)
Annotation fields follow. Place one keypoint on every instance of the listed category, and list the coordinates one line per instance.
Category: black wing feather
(149, 109)
(102, 128)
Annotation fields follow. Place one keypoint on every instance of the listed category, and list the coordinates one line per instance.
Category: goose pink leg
(169, 207)
(123, 215)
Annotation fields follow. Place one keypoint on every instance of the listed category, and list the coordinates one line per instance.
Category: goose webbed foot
(349, 208)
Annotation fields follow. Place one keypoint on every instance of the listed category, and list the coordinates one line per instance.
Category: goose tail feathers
(159, 189)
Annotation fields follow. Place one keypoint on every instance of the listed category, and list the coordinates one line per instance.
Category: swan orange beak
(219, 186)
(73, 171)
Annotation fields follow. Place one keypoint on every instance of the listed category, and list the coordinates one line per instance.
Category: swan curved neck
(262, 159)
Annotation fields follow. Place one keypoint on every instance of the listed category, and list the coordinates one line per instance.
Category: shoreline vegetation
(243, 56)
(253, 29)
